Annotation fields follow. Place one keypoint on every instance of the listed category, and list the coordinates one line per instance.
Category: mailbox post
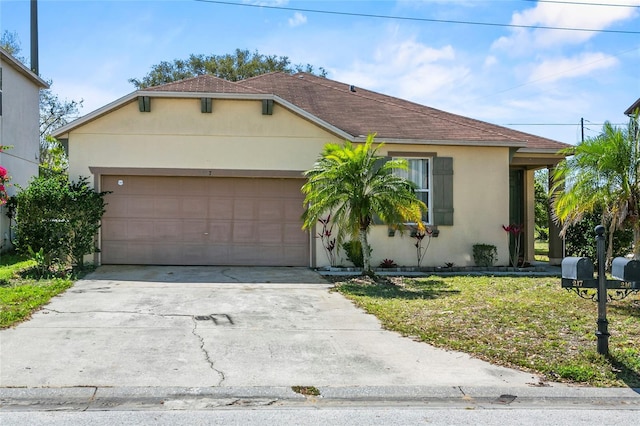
(603, 325)
(577, 275)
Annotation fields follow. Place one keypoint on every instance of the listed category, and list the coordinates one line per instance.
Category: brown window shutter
(442, 195)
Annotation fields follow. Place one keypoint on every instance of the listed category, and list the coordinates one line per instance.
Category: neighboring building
(19, 127)
(635, 106)
(206, 171)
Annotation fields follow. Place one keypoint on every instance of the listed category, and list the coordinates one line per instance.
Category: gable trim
(64, 130)
(22, 69)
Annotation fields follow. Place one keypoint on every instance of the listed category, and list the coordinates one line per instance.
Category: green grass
(541, 251)
(527, 323)
(20, 293)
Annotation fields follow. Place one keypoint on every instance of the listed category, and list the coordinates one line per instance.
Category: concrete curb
(193, 398)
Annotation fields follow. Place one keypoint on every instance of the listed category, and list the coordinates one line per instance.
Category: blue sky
(503, 75)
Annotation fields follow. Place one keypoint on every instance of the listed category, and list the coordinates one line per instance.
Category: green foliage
(57, 221)
(10, 42)
(485, 254)
(602, 174)
(580, 238)
(54, 113)
(240, 65)
(353, 251)
(355, 184)
(541, 196)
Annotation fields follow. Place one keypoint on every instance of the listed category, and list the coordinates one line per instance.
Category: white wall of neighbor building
(19, 128)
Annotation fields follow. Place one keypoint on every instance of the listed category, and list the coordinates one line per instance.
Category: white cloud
(407, 69)
(490, 61)
(557, 69)
(596, 16)
(297, 19)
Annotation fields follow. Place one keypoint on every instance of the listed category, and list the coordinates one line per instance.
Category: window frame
(428, 157)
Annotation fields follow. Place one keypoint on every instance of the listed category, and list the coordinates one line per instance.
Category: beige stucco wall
(19, 128)
(481, 207)
(236, 136)
(175, 134)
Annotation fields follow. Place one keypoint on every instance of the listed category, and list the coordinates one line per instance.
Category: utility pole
(582, 128)
(34, 37)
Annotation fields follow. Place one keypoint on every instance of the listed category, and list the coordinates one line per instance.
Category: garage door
(162, 220)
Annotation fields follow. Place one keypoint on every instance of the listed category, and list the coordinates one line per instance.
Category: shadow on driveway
(208, 274)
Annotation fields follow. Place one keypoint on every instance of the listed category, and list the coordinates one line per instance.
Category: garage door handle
(206, 233)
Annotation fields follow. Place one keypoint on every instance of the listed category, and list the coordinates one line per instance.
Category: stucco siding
(19, 129)
(481, 207)
(175, 134)
(236, 136)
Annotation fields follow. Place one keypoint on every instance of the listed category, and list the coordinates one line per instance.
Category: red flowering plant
(4, 179)
(328, 243)
(515, 232)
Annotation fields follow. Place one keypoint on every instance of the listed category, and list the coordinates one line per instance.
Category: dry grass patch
(527, 323)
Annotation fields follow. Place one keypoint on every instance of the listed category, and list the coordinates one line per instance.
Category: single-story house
(208, 172)
(19, 128)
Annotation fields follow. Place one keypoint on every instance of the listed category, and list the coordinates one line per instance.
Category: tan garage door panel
(163, 220)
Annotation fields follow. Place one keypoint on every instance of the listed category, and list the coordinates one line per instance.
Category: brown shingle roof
(361, 112)
(202, 84)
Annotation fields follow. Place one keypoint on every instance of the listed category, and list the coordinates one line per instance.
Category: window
(433, 174)
(420, 173)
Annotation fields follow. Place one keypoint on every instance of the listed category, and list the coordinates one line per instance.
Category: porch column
(556, 244)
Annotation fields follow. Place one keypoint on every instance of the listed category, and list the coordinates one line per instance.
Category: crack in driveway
(207, 357)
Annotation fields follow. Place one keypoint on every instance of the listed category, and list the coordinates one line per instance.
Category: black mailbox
(625, 269)
(577, 268)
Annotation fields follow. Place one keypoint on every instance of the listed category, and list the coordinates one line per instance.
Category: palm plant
(355, 184)
(602, 172)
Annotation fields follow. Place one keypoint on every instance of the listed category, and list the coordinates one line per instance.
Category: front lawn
(21, 293)
(527, 323)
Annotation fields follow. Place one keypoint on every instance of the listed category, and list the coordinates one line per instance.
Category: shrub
(485, 254)
(580, 238)
(353, 250)
(388, 263)
(58, 220)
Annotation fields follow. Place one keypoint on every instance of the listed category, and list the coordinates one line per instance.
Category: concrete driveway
(228, 327)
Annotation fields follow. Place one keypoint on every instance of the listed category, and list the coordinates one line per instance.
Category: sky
(511, 72)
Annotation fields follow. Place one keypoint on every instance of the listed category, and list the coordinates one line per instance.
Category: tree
(355, 184)
(602, 173)
(10, 42)
(54, 113)
(240, 65)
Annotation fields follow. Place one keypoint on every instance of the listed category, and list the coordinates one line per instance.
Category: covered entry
(187, 220)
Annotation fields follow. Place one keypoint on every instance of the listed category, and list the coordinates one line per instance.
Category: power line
(408, 18)
(558, 124)
(578, 3)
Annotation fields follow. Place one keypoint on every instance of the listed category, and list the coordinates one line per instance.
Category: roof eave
(541, 151)
(22, 69)
(502, 144)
